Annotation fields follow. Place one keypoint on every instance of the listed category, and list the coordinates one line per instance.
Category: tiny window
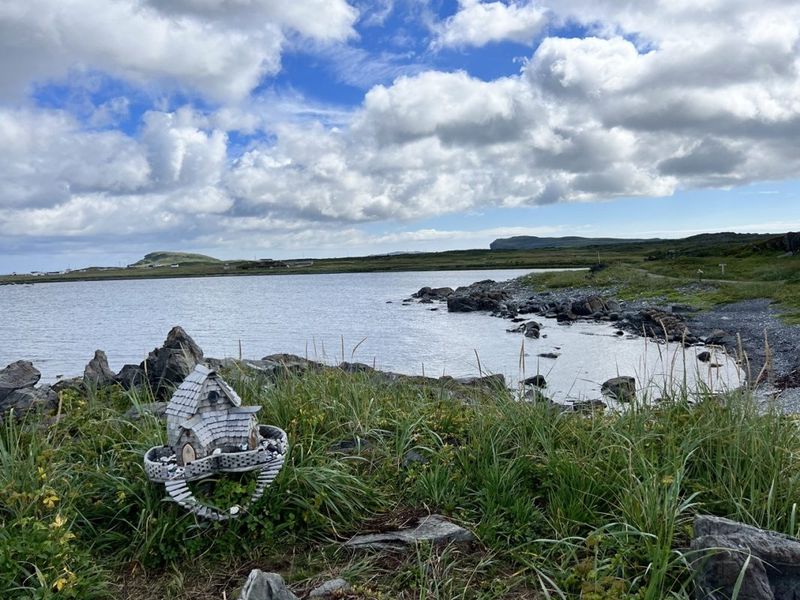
(213, 396)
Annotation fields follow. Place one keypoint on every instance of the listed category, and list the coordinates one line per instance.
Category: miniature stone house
(205, 416)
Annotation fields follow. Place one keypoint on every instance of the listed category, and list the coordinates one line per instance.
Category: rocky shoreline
(751, 331)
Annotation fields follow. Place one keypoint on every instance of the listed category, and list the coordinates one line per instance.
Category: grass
(564, 505)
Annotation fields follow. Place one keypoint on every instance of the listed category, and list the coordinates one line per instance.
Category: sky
(309, 128)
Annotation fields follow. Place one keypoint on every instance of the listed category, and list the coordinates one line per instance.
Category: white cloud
(479, 23)
(219, 48)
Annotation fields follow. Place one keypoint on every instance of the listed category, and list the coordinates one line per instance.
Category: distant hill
(164, 259)
(531, 242)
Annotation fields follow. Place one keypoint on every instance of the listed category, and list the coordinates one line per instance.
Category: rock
(97, 373)
(25, 399)
(282, 364)
(489, 382)
(431, 294)
(168, 366)
(434, 529)
(589, 406)
(659, 324)
(130, 376)
(157, 409)
(531, 329)
(704, 356)
(621, 389)
(721, 338)
(351, 446)
(566, 317)
(536, 381)
(791, 242)
(552, 355)
(265, 586)
(619, 332)
(588, 306)
(413, 457)
(771, 574)
(348, 367)
(18, 375)
(333, 588)
(74, 383)
(482, 295)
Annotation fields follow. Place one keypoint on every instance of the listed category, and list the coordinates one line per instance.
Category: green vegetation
(165, 259)
(565, 505)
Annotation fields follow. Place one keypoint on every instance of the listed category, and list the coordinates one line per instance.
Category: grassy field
(564, 505)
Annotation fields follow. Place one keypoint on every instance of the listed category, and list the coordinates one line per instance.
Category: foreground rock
(772, 559)
(18, 375)
(659, 324)
(332, 588)
(434, 529)
(97, 373)
(265, 586)
(482, 295)
(168, 366)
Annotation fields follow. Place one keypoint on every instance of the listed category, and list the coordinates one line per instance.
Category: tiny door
(188, 454)
(253, 438)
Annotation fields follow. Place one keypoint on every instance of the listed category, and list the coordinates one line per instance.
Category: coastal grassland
(564, 505)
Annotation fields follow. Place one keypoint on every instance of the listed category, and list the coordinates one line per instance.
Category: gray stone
(704, 356)
(413, 457)
(130, 376)
(265, 586)
(589, 406)
(551, 355)
(335, 586)
(18, 375)
(434, 529)
(536, 381)
(25, 399)
(97, 373)
(621, 389)
(773, 570)
(73, 383)
(168, 366)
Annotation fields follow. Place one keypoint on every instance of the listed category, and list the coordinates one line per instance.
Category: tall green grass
(564, 505)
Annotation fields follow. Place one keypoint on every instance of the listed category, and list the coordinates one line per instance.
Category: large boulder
(18, 375)
(482, 295)
(130, 376)
(660, 324)
(724, 548)
(168, 366)
(265, 586)
(97, 373)
(428, 293)
(621, 389)
(25, 399)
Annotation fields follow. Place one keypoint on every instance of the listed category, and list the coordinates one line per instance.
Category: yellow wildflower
(42, 473)
(668, 480)
(58, 522)
(50, 500)
(64, 580)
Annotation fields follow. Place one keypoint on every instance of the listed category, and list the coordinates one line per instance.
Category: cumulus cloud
(479, 23)
(657, 97)
(219, 48)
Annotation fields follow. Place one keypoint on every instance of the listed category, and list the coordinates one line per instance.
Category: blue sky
(328, 128)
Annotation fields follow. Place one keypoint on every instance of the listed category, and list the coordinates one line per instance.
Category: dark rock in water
(619, 332)
(265, 586)
(168, 366)
(531, 329)
(588, 306)
(621, 389)
(97, 373)
(704, 356)
(722, 547)
(589, 406)
(130, 376)
(659, 324)
(431, 294)
(536, 381)
(433, 529)
(721, 338)
(18, 375)
(482, 295)
(552, 355)
(25, 399)
(566, 317)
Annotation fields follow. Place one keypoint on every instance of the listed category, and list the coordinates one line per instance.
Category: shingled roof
(187, 397)
(231, 425)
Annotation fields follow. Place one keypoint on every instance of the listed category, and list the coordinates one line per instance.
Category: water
(58, 326)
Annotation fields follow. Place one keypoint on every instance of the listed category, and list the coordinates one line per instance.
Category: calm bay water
(58, 326)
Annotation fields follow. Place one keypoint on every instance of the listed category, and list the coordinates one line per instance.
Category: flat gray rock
(25, 399)
(329, 588)
(265, 586)
(434, 528)
(773, 570)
